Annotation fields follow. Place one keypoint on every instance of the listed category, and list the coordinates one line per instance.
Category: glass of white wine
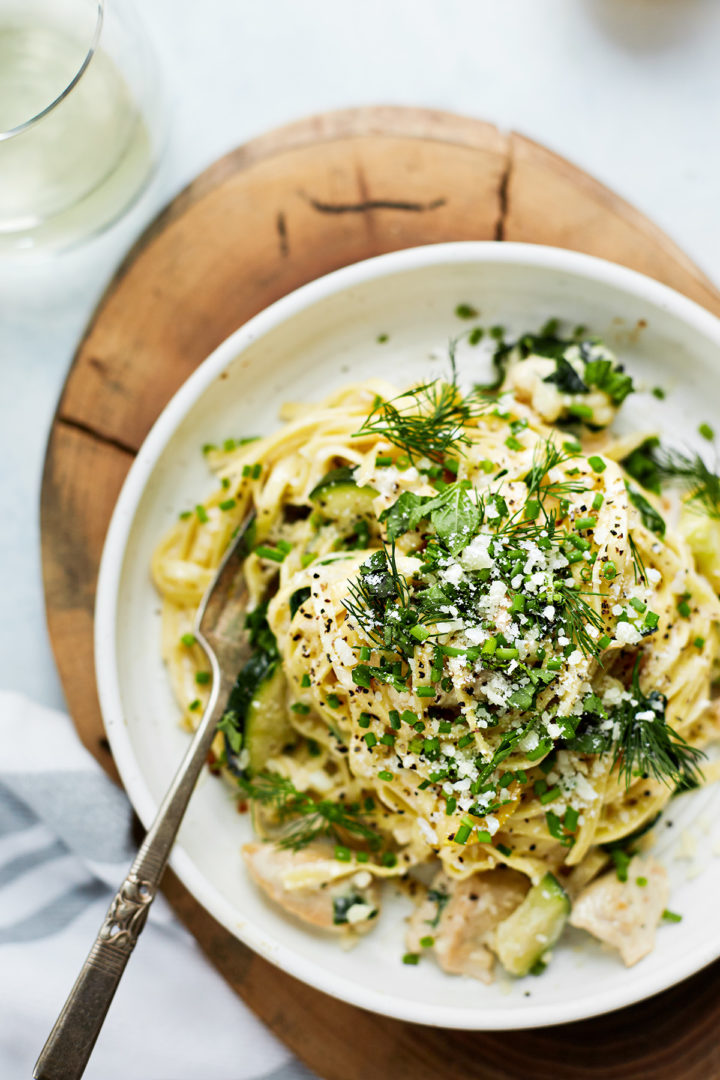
(81, 119)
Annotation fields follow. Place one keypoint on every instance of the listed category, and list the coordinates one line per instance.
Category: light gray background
(627, 89)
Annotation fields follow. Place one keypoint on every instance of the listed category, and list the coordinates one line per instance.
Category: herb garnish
(641, 747)
(653, 465)
(428, 420)
(303, 817)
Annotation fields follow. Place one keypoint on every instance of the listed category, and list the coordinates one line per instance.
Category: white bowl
(318, 338)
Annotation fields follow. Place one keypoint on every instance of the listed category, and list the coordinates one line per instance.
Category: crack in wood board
(372, 204)
(87, 429)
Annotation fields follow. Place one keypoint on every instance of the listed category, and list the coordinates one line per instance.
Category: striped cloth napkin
(64, 846)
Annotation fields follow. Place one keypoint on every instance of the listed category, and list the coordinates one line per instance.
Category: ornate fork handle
(76, 1029)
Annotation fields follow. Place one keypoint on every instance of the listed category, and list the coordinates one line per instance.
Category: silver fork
(219, 629)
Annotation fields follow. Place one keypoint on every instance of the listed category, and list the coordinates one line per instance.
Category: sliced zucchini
(267, 728)
(338, 497)
(346, 502)
(344, 475)
(524, 937)
(703, 536)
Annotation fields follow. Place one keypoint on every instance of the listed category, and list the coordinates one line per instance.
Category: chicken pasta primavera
(483, 634)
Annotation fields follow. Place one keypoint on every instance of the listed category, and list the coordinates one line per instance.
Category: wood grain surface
(272, 215)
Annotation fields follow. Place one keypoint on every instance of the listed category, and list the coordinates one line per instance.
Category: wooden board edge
(526, 152)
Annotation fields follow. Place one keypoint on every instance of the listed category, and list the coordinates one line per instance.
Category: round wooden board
(270, 216)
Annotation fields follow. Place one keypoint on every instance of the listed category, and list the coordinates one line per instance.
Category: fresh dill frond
(379, 602)
(654, 465)
(546, 456)
(428, 420)
(577, 615)
(638, 564)
(303, 818)
(650, 747)
(694, 474)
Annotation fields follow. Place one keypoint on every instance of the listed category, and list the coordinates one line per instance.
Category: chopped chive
(389, 858)
(463, 834)
(572, 447)
(605, 640)
(362, 856)
(598, 500)
(466, 311)
(228, 504)
(550, 796)
(571, 818)
(641, 881)
(427, 942)
(385, 775)
(597, 464)
(411, 958)
(532, 510)
(450, 805)
(364, 653)
(420, 633)
(333, 701)
(342, 853)
(683, 607)
(638, 604)
(425, 691)
(202, 677)
(185, 514)
(382, 338)
(188, 639)
(707, 432)
(194, 705)
(370, 740)
(202, 514)
(513, 444)
(388, 739)
(364, 720)
(582, 412)
(490, 646)
(305, 681)
(671, 916)
(699, 642)
(476, 335)
(506, 653)
(270, 553)
(586, 523)
(300, 708)
(208, 447)
(307, 557)
(504, 850)
(383, 460)
(484, 836)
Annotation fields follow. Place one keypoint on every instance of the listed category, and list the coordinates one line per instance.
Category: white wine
(75, 168)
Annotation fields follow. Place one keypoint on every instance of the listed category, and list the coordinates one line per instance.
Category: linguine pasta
(477, 636)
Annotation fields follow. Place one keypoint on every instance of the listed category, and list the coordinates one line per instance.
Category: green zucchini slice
(267, 728)
(524, 937)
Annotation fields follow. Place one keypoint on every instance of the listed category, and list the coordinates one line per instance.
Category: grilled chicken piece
(314, 887)
(460, 915)
(623, 913)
